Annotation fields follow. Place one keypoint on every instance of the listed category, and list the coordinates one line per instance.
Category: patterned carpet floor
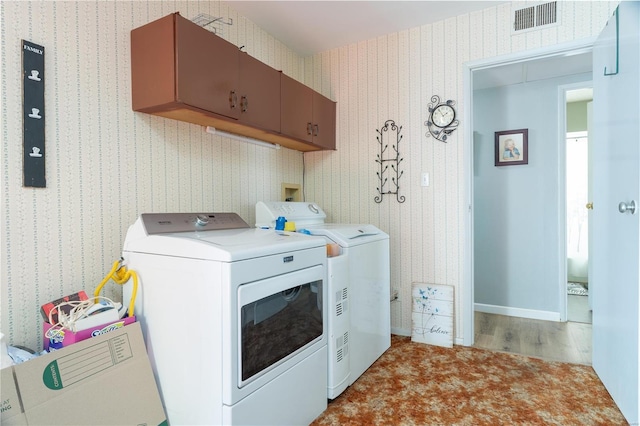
(418, 384)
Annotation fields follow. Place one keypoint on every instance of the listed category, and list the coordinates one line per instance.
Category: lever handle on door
(624, 207)
(589, 206)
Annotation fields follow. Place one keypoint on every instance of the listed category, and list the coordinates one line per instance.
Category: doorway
(577, 177)
(489, 70)
(513, 330)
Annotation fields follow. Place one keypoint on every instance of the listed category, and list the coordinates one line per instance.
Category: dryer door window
(275, 327)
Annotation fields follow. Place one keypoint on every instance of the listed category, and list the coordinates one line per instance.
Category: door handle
(627, 207)
(589, 206)
(309, 129)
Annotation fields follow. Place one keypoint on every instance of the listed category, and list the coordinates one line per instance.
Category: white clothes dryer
(233, 318)
(359, 284)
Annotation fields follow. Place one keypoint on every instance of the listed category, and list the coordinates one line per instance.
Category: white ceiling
(309, 27)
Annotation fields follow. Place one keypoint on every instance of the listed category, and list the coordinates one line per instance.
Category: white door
(616, 179)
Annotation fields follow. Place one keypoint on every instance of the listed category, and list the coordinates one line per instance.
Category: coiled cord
(121, 275)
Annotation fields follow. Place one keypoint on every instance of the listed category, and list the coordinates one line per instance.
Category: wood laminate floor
(578, 309)
(549, 340)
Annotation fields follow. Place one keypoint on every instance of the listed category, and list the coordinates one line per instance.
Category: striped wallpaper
(106, 164)
(393, 77)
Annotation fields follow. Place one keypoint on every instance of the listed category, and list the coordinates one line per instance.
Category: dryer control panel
(164, 223)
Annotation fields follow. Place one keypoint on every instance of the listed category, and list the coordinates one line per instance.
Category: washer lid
(347, 234)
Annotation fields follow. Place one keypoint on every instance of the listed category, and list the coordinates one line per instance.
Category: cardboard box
(10, 411)
(105, 380)
(64, 338)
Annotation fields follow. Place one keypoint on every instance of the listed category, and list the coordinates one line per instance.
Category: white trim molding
(518, 312)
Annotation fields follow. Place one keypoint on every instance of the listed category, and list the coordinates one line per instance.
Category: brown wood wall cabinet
(307, 115)
(259, 94)
(182, 71)
(324, 122)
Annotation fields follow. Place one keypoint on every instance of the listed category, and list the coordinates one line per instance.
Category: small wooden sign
(432, 314)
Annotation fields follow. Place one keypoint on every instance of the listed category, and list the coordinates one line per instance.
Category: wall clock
(442, 118)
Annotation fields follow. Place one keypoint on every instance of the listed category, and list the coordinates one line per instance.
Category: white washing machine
(359, 284)
(233, 318)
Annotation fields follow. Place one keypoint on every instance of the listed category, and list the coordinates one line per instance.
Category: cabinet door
(297, 103)
(324, 122)
(153, 64)
(207, 70)
(259, 94)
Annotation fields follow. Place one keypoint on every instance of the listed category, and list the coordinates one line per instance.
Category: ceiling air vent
(524, 19)
(535, 17)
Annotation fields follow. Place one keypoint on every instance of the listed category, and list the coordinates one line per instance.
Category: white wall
(517, 256)
(577, 116)
(106, 164)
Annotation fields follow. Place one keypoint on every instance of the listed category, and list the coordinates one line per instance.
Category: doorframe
(467, 269)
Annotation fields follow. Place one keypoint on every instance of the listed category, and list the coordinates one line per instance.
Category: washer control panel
(163, 223)
(303, 213)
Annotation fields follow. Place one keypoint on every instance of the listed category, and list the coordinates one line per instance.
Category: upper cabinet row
(182, 71)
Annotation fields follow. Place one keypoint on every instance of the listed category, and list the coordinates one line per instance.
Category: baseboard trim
(401, 331)
(517, 312)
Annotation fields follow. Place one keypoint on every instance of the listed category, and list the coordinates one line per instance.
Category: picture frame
(512, 147)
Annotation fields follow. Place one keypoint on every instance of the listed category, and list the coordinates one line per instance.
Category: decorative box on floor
(62, 338)
(432, 314)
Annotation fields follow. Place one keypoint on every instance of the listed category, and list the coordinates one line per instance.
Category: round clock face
(443, 115)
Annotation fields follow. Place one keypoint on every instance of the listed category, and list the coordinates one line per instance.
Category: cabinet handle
(233, 99)
(316, 130)
(244, 103)
(309, 128)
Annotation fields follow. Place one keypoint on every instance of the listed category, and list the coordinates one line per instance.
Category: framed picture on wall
(512, 147)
